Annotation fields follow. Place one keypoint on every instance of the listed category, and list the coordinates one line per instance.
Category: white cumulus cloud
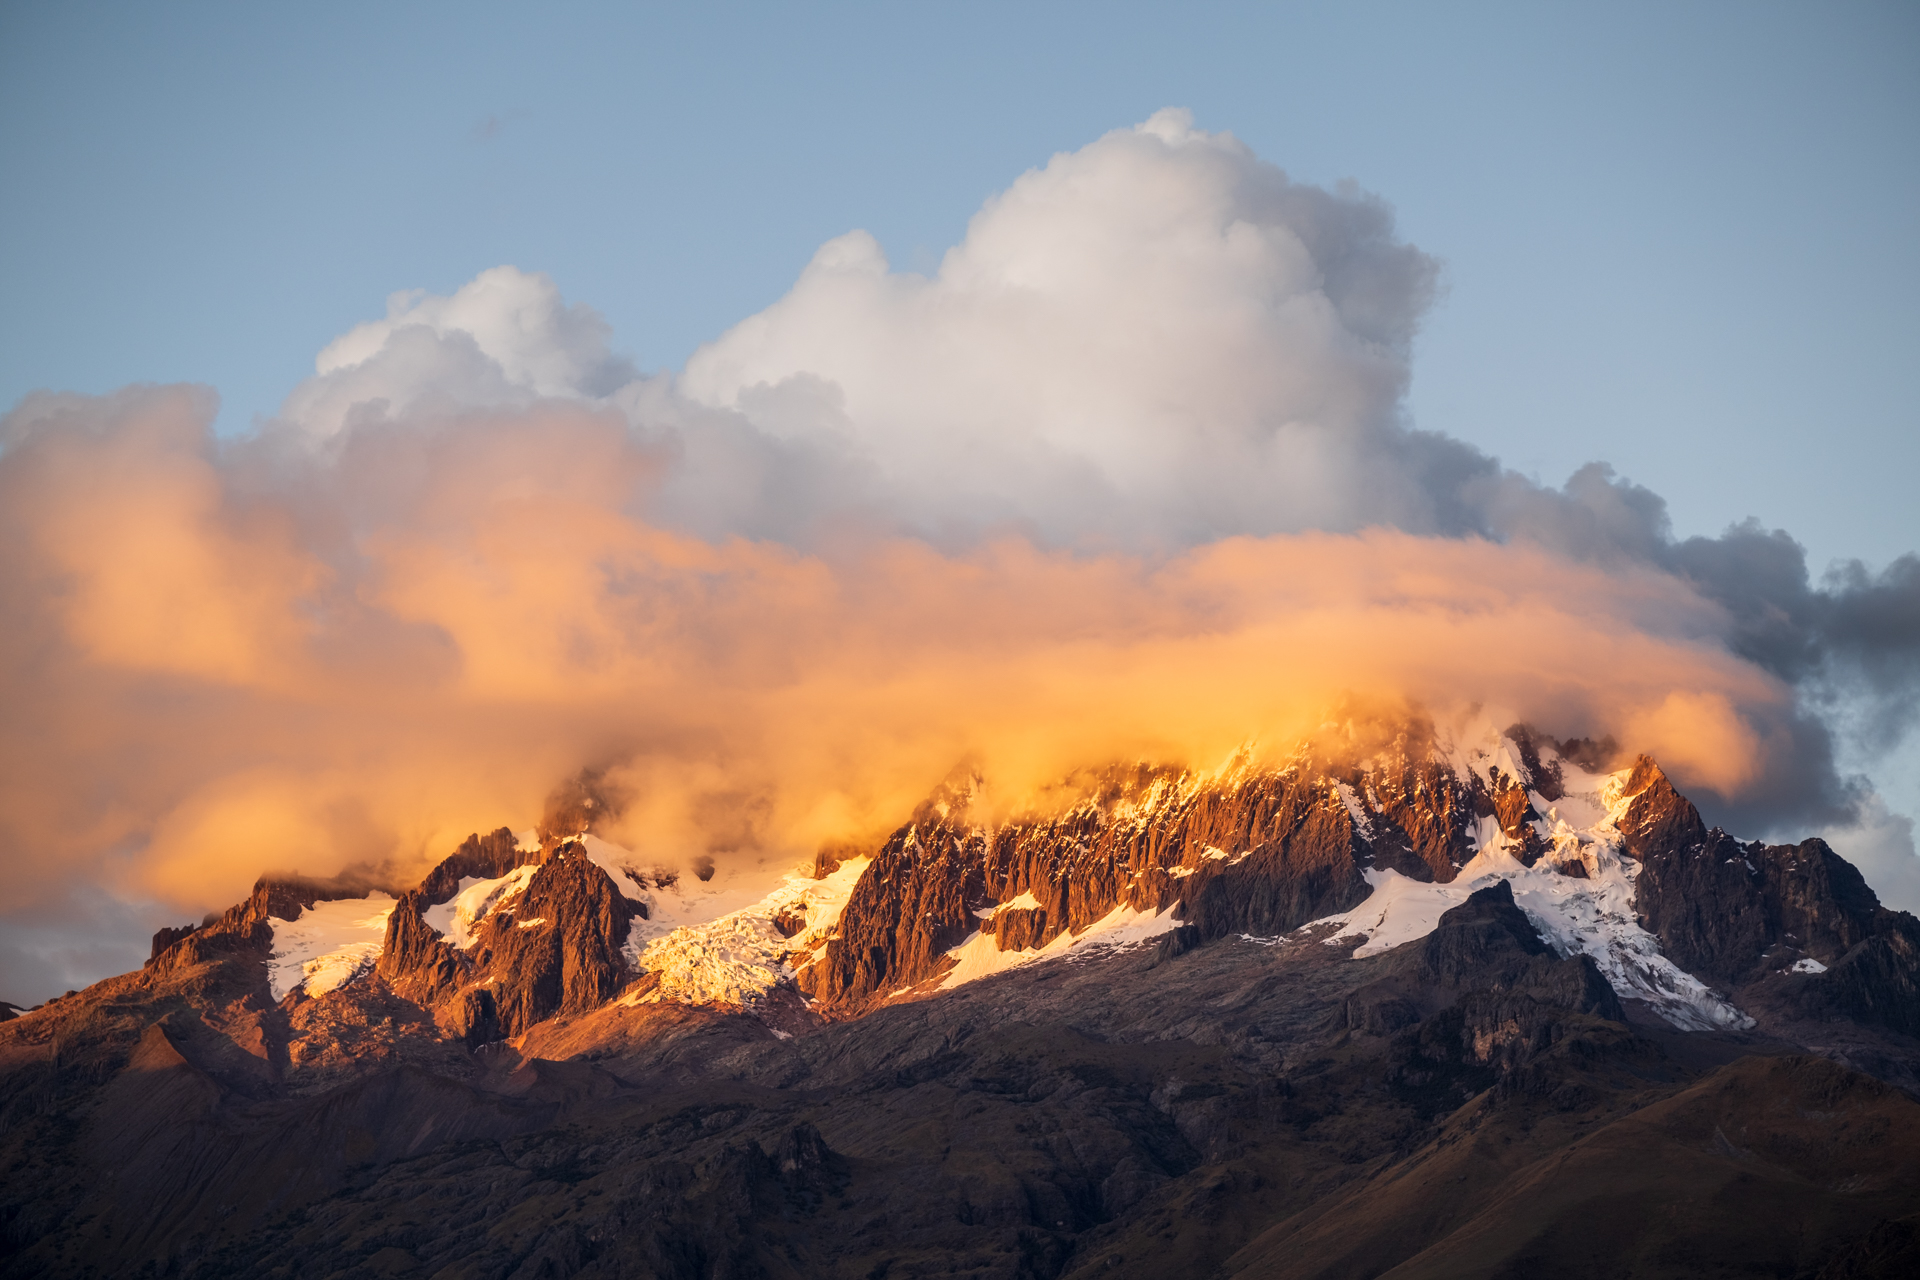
(1158, 337)
(505, 338)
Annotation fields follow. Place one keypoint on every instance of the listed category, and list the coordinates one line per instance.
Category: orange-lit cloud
(364, 657)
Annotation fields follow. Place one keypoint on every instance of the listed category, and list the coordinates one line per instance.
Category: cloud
(1158, 341)
(363, 654)
(504, 338)
(1127, 476)
(1154, 340)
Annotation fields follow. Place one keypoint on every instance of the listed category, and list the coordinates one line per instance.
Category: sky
(1674, 236)
(1674, 239)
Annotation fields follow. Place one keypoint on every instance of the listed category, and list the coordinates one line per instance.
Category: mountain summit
(1424, 1008)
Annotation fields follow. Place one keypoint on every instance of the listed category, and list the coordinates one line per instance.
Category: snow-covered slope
(329, 945)
(738, 957)
(980, 956)
(1579, 893)
(476, 899)
(621, 866)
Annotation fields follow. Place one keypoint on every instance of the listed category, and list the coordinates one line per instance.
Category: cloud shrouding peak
(1127, 475)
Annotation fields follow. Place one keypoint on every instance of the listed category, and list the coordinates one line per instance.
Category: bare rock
(559, 949)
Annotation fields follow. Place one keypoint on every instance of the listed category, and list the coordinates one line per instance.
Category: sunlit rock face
(1245, 850)
(557, 949)
(1265, 852)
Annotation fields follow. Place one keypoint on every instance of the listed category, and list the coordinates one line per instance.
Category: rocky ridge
(508, 933)
(1247, 850)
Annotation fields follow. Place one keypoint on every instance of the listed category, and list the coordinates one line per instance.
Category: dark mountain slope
(1769, 1166)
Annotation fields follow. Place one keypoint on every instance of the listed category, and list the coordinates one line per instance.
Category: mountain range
(1427, 1007)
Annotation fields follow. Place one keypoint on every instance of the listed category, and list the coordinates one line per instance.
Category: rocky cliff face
(417, 963)
(556, 947)
(1235, 1107)
(1796, 923)
(1255, 851)
(559, 950)
(1265, 852)
(478, 858)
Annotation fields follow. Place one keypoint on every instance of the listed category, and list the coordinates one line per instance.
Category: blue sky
(1677, 237)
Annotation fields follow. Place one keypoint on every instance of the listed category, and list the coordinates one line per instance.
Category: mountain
(1421, 1009)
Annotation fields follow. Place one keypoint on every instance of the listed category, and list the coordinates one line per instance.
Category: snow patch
(330, 945)
(1362, 821)
(1486, 831)
(1495, 753)
(1809, 965)
(458, 918)
(620, 865)
(980, 955)
(1212, 854)
(1025, 902)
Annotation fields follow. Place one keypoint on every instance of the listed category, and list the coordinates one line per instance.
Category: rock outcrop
(1488, 943)
(1256, 851)
(1798, 923)
(558, 947)
(1484, 947)
(166, 936)
(481, 858)
(1657, 818)
(415, 960)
